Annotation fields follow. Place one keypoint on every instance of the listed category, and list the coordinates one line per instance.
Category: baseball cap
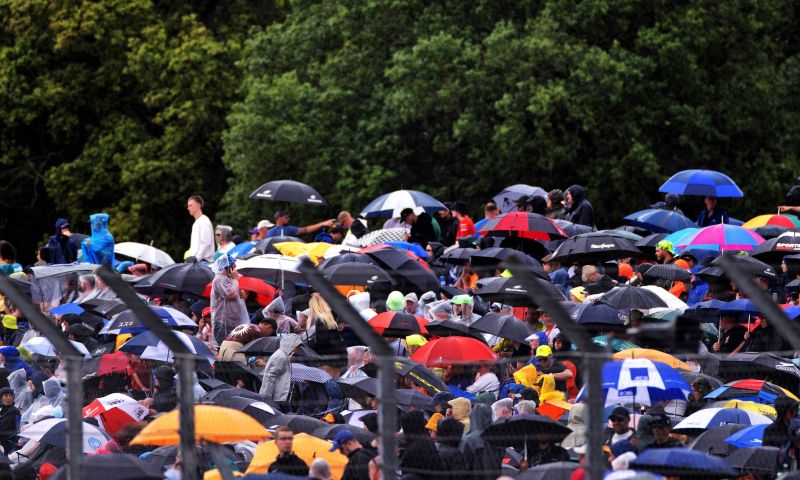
(579, 293)
(340, 439)
(544, 351)
(619, 412)
(253, 230)
(462, 300)
(264, 224)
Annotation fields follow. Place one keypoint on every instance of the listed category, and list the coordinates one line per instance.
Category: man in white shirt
(202, 243)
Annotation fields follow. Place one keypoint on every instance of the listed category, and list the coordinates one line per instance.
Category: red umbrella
(398, 324)
(111, 363)
(265, 292)
(443, 352)
(116, 410)
(524, 224)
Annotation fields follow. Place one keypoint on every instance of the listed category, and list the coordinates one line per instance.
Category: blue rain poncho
(99, 248)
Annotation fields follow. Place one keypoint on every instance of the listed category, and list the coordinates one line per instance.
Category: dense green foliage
(129, 106)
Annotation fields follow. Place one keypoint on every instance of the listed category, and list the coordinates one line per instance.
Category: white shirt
(487, 383)
(227, 247)
(202, 244)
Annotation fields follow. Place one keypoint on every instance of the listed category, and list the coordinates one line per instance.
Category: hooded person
(9, 420)
(23, 396)
(9, 356)
(461, 411)
(99, 248)
(483, 459)
(166, 397)
(277, 311)
(579, 210)
(277, 375)
(395, 302)
(462, 308)
(412, 303)
(83, 334)
(360, 301)
(61, 249)
(228, 309)
(578, 425)
(52, 397)
(418, 454)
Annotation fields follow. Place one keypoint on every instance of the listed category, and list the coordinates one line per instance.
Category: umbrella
(504, 326)
(448, 327)
(659, 221)
(712, 441)
(671, 300)
(705, 311)
(652, 355)
(525, 225)
(752, 266)
(692, 376)
(750, 406)
(261, 411)
(108, 364)
(750, 390)
(550, 471)
(682, 462)
(305, 446)
(669, 272)
(599, 314)
(411, 247)
(145, 253)
(573, 229)
(328, 432)
(628, 297)
(118, 466)
(620, 232)
(382, 236)
(164, 457)
(391, 204)
(404, 267)
(359, 387)
(770, 231)
(347, 257)
(149, 346)
(752, 436)
(276, 269)
(211, 424)
(265, 292)
(268, 345)
(412, 398)
(43, 346)
(742, 306)
(352, 273)
(714, 417)
(53, 431)
(398, 324)
(242, 249)
(591, 248)
(616, 344)
(760, 460)
(702, 183)
(288, 191)
(506, 200)
(189, 277)
(771, 367)
(116, 410)
(104, 308)
(314, 250)
(209, 384)
(50, 271)
(775, 249)
(420, 375)
(304, 373)
(642, 381)
(497, 256)
(298, 423)
(217, 395)
(648, 244)
(792, 312)
(513, 291)
(515, 431)
(769, 219)
(267, 245)
(722, 237)
(449, 350)
(458, 255)
(128, 322)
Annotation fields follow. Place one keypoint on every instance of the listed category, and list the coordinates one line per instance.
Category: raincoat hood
(289, 343)
(461, 408)
(10, 352)
(51, 388)
(480, 418)
(17, 380)
(577, 193)
(275, 306)
(61, 223)
(578, 425)
(99, 222)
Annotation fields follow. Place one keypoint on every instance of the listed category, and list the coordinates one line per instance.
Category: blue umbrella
(743, 306)
(659, 221)
(599, 314)
(641, 381)
(148, 346)
(707, 312)
(792, 312)
(507, 199)
(702, 183)
(67, 308)
(391, 204)
(411, 247)
(128, 322)
(752, 436)
(241, 249)
(681, 462)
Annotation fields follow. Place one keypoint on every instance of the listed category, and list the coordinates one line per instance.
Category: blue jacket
(99, 248)
(719, 216)
(61, 249)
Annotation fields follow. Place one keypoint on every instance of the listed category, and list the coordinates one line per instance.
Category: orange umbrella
(653, 355)
(306, 447)
(211, 424)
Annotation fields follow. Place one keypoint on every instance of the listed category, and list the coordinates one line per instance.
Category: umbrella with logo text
(642, 381)
(594, 247)
(420, 375)
(116, 410)
(769, 366)
(289, 191)
(53, 431)
(507, 199)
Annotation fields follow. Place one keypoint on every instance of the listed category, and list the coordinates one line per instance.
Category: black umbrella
(118, 466)
(358, 387)
(756, 460)
(513, 291)
(648, 244)
(515, 431)
(189, 277)
(209, 384)
(458, 255)
(269, 345)
(408, 398)
(420, 375)
(770, 231)
(573, 229)
(164, 457)
(628, 297)
(104, 308)
(669, 272)
(767, 366)
(496, 256)
(549, 471)
(216, 395)
(262, 410)
(712, 274)
(600, 314)
(594, 247)
(267, 245)
(327, 432)
(774, 249)
(298, 423)
(713, 442)
(348, 257)
(404, 268)
(289, 191)
(447, 328)
(690, 377)
(751, 265)
(504, 326)
(351, 273)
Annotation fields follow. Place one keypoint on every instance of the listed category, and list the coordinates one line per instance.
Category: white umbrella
(671, 300)
(271, 268)
(53, 431)
(338, 250)
(391, 204)
(43, 346)
(145, 253)
(382, 236)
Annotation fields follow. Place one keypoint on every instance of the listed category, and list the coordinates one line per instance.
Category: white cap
(265, 224)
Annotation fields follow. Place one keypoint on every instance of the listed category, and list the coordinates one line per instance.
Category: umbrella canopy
(669, 272)
(298, 423)
(523, 224)
(211, 424)
(128, 322)
(549, 471)
(53, 431)
(118, 466)
(628, 297)
(599, 314)
(398, 324)
(458, 255)
(642, 381)
(750, 389)
(448, 327)
(261, 411)
(145, 253)
(304, 373)
(267, 245)
(404, 267)
(682, 462)
(752, 266)
(506, 200)
(116, 410)
(750, 406)
(659, 221)
(759, 461)
(712, 441)
(775, 369)
(723, 238)
(714, 417)
(346, 257)
(420, 375)
(450, 350)
(515, 431)
(391, 204)
(358, 387)
(504, 326)
(742, 306)
(189, 277)
(104, 308)
(328, 432)
(495, 257)
(513, 291)
(573, 229)
(107, 364)
(43, 346)
(411, 247)
(752, 436)
(353, 273)
(315, 250)
(289, 191)
(272, 268)
(702, 183)
(591, 248)
(769, 219)
(147, 345)
(382, 236)
(408, 398)
(49, 271)
(774, 249)
(305, 446)
(652, 355)
(671, 300)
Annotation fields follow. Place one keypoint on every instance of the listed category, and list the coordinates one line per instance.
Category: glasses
(287, 439)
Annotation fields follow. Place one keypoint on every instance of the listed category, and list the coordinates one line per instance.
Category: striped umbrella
(525, 225)
(770, 219)
(148, 346)
(701, 183)
(722, 238)
(715, 417)
(391, 204)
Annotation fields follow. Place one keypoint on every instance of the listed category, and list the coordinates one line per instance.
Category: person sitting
(660, 428)
(485, 380)
(9, 420)
(620, 426)
(777, 434)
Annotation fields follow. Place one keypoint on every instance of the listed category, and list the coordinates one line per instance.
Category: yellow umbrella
(211, 424)
(304, 446)
(653, 355)
(315, 251)
(215, 474)
(761, 408)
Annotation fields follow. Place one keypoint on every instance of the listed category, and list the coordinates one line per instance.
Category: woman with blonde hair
(327, 340)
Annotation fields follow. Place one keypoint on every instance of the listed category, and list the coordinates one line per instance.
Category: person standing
(711, 215)
(358, 457)
(287, 461)
(579, 209)
(465, 225)
(276, 378)
(228, 310)
(61, 249)
(490, 211)
(282, 227)
(202, 243)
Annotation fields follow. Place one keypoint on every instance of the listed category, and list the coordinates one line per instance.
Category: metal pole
(73, 359)
(593, 359)
(187, 447)
(387, 406)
